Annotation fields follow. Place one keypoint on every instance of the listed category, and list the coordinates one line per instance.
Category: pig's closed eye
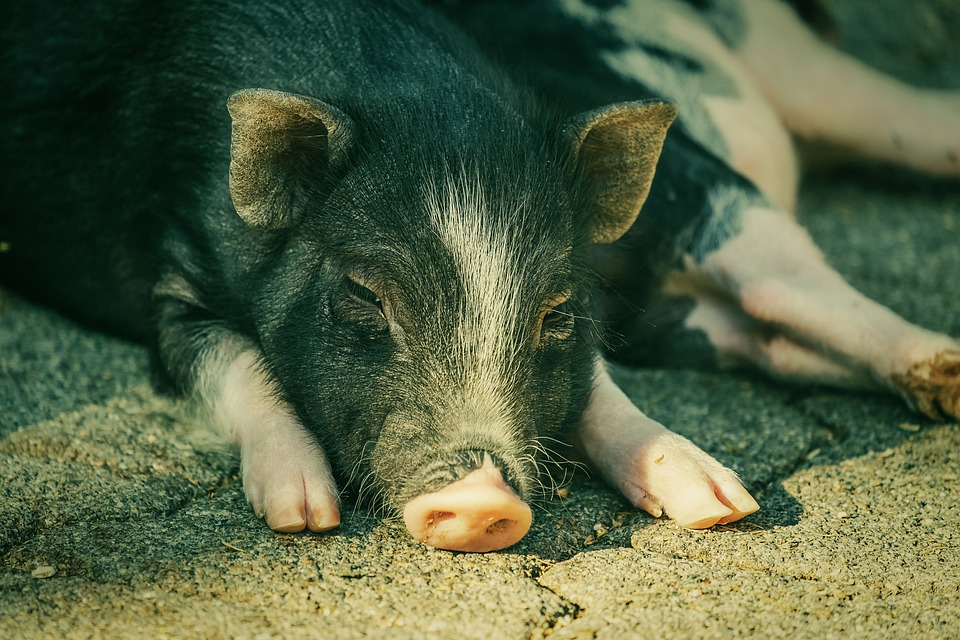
(364, 296)
(557, 322)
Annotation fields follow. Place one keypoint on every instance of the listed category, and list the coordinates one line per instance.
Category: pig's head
(423, 297)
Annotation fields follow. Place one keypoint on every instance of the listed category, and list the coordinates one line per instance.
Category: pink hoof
(477, 513)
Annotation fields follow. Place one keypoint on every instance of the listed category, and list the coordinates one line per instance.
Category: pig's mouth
(468, 504)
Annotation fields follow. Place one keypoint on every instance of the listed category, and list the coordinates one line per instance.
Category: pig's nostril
(439, 516)
(501, 526)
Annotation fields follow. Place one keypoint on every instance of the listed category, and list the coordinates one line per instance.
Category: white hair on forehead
(486, 252)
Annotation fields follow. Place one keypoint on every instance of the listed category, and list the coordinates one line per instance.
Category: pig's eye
(365, 296)
(557, 322)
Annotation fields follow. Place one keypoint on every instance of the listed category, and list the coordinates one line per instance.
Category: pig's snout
(479, 512)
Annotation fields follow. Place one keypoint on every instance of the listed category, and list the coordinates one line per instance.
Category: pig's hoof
(478, 513)
(669, 474)
(293, 495)
(933, 386)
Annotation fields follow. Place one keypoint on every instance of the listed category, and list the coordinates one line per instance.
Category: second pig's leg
(776, 275)
(826, 96)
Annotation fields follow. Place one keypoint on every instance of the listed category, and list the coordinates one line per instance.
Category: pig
(371, 255)
(359, 246)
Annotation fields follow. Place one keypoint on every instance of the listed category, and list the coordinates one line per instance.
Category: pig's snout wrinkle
(478, 513)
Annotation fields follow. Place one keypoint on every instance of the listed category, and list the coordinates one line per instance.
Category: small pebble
(43, 572)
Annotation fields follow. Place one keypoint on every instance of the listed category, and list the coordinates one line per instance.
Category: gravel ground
(121, 516)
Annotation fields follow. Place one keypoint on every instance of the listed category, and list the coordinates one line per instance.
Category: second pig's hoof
(932, 386)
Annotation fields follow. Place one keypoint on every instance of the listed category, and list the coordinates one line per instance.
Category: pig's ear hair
(281, 144)
(616, 150)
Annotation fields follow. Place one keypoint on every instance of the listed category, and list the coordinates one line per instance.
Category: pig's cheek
(288, 480)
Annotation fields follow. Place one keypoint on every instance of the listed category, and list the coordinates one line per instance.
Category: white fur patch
(580, 10)
(726, 203)
(484, 349)
(672, 27)
(720, 104)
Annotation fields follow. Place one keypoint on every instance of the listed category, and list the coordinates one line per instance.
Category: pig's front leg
(286, 475)
(655, 468)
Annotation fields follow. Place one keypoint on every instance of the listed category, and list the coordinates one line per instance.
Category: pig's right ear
(616, 149)
(281, 143)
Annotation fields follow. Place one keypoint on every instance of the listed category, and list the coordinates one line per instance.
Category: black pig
(349, 236)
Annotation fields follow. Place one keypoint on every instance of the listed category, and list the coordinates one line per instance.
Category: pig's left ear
(281, 144)
(616, 150)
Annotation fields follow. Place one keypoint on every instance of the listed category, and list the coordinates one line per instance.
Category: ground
(121, 516)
